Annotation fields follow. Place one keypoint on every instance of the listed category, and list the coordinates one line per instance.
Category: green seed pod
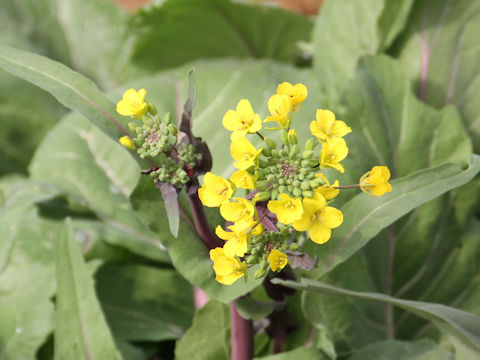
(173, 129)
(297, 192)
(307, 154)
(294, 149)
(270, 143)
(266, 152)
(284, 137)
(307, 193)
(259, 273)
(262, 185)
(167, 119)
(152, 109)
(310, 144)
(305, 185)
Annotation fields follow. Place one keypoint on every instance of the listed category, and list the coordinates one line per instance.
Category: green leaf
(365, 216)
(170, 199)
(439, 53)
(101, 174)
(465, 326)
(188, 253)
(138, 309)
(392, 21)
(200, 342)
(69, 88)
(343, 32)
(399, 350)
(26, 270)
(234, 30)
(80, 328)
(299, 353)
(250, 308)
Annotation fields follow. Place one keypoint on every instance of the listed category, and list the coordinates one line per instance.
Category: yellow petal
(330, 217)
(319, 233)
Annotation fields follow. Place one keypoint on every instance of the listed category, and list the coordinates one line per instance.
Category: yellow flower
(127, 142)
(297, 93)
(327, 190)
(326, 127)
(277, 260)
(133, 103)
(215, 190)
(375, 182)
(236, 241)
(244, 153)
(333, 151)
(240, 211)
(243, 179)
(318, 218)
(287, 209)
(227, 270)
(243, 120)
(279, 107)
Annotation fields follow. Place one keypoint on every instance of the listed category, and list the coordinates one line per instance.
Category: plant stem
(201, 224)
(389, 314)
(242, 335)
(346, 186)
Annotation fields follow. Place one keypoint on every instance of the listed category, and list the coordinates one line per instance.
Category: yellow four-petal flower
(215, 190)
(287, 209)
(133, 103)
(375, 182)
(243, 120)
(227, 269)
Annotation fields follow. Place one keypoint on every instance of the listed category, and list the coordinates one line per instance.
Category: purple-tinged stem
(242, 335)
(201, 224)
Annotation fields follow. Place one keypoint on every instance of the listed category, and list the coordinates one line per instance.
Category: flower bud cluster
(155, 139)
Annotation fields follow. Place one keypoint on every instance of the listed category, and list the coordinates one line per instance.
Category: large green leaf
(81, 331)
(69, 87)
(142, 303)
(365, 217)
(465, 326)
(399, 350)
(209, 336)
(91, 167)
(26, 271)
(188, 253)
(439, 52)
(195, 29)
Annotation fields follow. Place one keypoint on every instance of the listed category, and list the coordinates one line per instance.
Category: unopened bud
(133, 126)
(173, 129)
(307, 154)
(297, 192)
(266, 151)
(259, 273)
(274, 194)
(305, 185)
(295, 149)
(310, 144)
(251, 259)
(152, 109)
(262, 196)
(127, 142)
(293, 246)
(270, 143)
(307, 193)
(167, 118)
(292, 137)
(262, 185)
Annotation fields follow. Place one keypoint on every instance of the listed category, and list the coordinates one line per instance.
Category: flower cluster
(286, 190)
(156, 139)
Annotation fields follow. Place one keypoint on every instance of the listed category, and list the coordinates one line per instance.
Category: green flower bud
(296, 183)
(295, 149)
(263, 264)
(266, 152)
(132, 126)
(270, 143)
(305, 185)
(282, 153)
(284, 137)
(274, 194)
(290, 188)
(282, 189)
(292, 137)
(307, 154)
(263, 164)
(310, 144)
(260, 174)
(274, 153)
(152, 109)
(293, 246)
(297, 192)
(167, 119)
(307, 193)
(262, 196)
(259, 273)
(313, 163)
(251, 259)
(262, 185)
(310, 175)
(173, 129)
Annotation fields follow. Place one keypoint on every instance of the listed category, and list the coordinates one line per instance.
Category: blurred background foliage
(402, 73)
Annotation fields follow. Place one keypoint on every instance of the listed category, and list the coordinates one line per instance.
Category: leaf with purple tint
(300, 260)
(170, 200)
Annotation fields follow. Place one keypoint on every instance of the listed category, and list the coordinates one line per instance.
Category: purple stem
(242, 335)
